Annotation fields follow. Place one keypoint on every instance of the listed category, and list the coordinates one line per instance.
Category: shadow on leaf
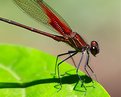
(64, 80)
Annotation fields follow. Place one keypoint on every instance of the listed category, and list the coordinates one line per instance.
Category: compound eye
(94, 49)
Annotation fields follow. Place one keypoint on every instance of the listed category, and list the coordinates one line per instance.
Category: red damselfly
(42, 12)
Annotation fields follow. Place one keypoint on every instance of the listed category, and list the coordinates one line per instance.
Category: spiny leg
(78, 66)
(69, 52)
(87, 65)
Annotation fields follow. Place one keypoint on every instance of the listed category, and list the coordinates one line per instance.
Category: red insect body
(76, 40)
(50, 18)
(40, 11)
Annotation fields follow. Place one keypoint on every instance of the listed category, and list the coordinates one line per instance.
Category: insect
(42, 12)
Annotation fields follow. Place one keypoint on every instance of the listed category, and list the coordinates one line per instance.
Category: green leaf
(27, 72)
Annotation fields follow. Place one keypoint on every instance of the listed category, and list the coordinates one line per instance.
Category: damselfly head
(94, 48)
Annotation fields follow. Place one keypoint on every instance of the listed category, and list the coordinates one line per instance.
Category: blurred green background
(98, 20)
